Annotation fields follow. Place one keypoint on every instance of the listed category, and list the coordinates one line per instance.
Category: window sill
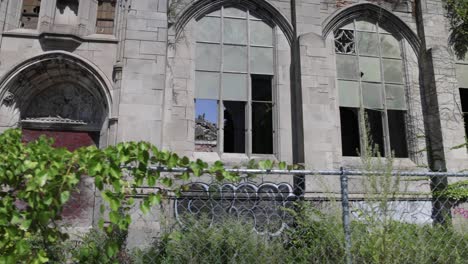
(232, 159)
(398, 163)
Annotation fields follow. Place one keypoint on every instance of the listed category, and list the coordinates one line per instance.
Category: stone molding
(375, 13)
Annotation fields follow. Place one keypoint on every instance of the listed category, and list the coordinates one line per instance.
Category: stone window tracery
(234, 74)
(30, 14)
(371, 85)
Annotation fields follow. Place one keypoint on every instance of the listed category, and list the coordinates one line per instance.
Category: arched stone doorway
(63, 97)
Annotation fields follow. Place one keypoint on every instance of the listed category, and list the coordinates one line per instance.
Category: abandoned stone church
(234, 80)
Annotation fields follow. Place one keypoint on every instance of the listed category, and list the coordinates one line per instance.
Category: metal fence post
(345, 214)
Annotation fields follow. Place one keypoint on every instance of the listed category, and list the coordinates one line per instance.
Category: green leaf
(41, 178)
(30, 164)
(154, 198)
(64, 196)
(282, 165)
(144, 207)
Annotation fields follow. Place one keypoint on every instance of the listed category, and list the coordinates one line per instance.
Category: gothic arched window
(234, 74)
(371, 87)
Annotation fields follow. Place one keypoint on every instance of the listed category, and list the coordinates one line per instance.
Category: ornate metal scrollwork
(263, 205)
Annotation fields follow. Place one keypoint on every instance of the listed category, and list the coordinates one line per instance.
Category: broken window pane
(235, 58)
(66, 12)
(261, 33)
(350, 140)
(375, 131)
(344, 41)
(390, 46)
(370, 69)
(393, 70)
(372, 95)
(397, 132)
(235, 31)
(261, 60)
(395, 95)
(209, 29)
(347, 67)
(30, 14)
(262, 128)
(207, 85)
(368, 43)
(348, 92)
(261, 87)
(206, 128)
(234, 127)
(105, 17)
(208, 57)
(234, 87)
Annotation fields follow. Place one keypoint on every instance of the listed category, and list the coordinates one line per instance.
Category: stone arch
(261, 8)
(375, 13)
(55, 91)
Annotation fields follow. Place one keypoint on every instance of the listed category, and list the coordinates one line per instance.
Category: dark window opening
(262, 128)
(262, 114)
(105, 17)
(261, 88)
(397, 132)
(464, 106)
(30, 14)
(350, 139)
(375, 132)
(234, 127)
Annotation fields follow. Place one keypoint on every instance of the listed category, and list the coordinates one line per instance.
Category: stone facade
(138, 83)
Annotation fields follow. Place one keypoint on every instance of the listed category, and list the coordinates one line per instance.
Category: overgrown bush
(229, 241)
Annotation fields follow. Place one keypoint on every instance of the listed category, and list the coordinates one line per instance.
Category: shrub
(229, 241)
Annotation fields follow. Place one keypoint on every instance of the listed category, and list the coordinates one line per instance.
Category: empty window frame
(371, 86)
(30, 14)
(105, 17)
(234, 83)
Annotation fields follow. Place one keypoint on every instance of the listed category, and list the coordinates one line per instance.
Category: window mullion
(386, 132)
(249, 94)
(220, 98)
(362, 118)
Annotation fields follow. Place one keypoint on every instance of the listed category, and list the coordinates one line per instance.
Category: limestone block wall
(144, 70)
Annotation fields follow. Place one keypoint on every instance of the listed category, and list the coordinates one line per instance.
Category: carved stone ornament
(64, 104)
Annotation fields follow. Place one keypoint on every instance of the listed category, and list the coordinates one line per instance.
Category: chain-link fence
(280, 216)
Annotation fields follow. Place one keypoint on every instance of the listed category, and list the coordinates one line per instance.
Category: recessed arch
(56, 91)
(261, 8)
(28, 73)
(375, 13)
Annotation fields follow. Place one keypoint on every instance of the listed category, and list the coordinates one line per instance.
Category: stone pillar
(144, 70)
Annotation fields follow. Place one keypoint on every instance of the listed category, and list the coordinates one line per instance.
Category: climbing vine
(37, 181)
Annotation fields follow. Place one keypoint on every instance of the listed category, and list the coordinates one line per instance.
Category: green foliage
(317, 237)
(228, 241)
(457, 12)
(455, 192)
(37, 179)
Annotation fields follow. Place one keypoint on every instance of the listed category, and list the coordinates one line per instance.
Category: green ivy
(455, 192)
(36, 180)
(457, 13)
